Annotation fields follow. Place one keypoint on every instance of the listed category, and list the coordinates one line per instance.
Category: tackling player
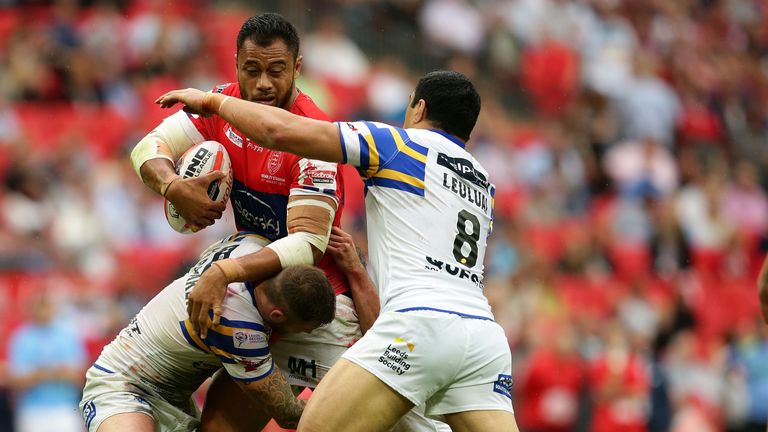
(144, 379)
(429, 209)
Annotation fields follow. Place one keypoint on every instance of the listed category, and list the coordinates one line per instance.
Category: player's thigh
(484, 380)
(105, 397)
(228, 409)
(128, 422)
(304, 358)
(481, 421)
(416, 421)
(352, 399)
(108, 394)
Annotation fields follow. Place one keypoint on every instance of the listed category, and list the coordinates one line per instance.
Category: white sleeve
(176, 132)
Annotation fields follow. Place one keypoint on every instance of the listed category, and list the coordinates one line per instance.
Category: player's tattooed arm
(275, 395)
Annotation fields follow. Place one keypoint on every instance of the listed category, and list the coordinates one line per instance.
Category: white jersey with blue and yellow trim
(159, 350)
(429, 206)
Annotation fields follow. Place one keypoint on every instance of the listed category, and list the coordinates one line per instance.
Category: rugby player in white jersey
(144, 379)
(429, 209)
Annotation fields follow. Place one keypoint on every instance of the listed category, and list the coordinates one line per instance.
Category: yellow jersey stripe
(227, 330)
(195, 338)
(403, 147)
(373, 156)
(402, 177)
(221, 353)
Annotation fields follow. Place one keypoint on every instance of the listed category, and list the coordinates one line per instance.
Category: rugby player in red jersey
(291, 201)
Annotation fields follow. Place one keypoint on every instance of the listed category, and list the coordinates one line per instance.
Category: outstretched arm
(271, 127)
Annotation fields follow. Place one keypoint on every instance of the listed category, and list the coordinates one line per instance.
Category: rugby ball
(200, 160)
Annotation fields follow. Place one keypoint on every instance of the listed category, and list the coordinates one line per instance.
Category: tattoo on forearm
(278, 399)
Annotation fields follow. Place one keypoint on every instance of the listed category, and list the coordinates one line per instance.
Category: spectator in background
(752, 357)
(609, 49)
(636, 166)
(330, 55)
(550, 75)
(388, 90)
(439, 21)
(648, 105)
(696, 383)
(47, 364)
(745, 203)
(620, 385)
(549, 402)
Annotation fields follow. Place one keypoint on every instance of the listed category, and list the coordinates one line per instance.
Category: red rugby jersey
(264, 178)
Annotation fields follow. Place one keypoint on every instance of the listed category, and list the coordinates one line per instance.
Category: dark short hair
(453, 104)
(306, 292)
(265, 28)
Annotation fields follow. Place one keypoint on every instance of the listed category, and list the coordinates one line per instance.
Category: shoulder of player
(227, 89)
(306, 107)
(239, 308)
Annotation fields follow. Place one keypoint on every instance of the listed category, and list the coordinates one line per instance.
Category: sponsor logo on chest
(238, 140)
(234, 137)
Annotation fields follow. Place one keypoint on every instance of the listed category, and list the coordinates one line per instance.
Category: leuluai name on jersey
(160, 350)
(429, 207)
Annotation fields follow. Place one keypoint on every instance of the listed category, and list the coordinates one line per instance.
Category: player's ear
(277, 316)
(420, 111)
(297, 66)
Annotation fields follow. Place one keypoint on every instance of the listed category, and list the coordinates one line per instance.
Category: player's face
(268, 74)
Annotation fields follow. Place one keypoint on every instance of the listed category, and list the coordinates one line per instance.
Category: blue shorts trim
(102, 368)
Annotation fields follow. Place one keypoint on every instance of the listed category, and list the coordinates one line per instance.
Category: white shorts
(106, 394)
(305, 358)
(448, 362)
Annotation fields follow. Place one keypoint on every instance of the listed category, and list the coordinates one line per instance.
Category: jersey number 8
(469, 234)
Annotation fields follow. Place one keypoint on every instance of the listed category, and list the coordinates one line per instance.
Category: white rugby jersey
(429, 206)
(159, 349)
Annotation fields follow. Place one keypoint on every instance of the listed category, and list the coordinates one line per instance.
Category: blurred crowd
(628, 140)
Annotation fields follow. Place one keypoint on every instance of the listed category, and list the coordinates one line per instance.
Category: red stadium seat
(630, 261)
(151, 113)
(9, 20)
(151, 268)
